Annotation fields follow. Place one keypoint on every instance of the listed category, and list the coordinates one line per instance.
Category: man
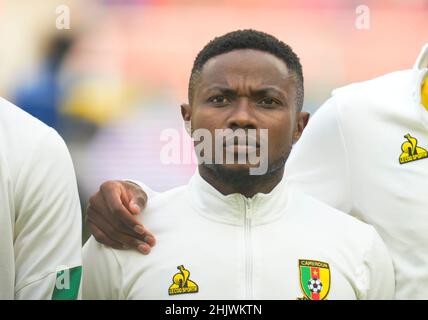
(371, 140)
(40, 216)
(364, 152)
(230, 234)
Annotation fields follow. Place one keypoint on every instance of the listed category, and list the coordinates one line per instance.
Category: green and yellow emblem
(182, 283)
(314, 279)
(411, 151)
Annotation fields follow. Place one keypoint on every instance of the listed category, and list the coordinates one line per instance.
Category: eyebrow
(259, 91)
(222, 89)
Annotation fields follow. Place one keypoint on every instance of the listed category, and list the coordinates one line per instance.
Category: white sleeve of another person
(47, 234)
(318, 163)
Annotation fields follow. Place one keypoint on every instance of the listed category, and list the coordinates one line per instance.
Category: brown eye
(268, 101)
(218, 99)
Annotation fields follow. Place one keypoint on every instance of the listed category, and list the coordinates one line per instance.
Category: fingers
(134, 208)
(101, 237)
(137, 197)
(138, 201)
(113, 223)
(108, 235)
(98, 211)
(112, 195)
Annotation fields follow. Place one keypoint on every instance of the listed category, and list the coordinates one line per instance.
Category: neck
(228, 181)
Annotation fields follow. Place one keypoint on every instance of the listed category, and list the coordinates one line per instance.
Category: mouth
(250, 146)
(239, 148)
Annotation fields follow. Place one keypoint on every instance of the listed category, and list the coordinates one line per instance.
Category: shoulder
(379, 89)
(383, 82)
(25, 137)
(355, 111)
(163, 211)
(165, 208)
(18, 124)
(37, 162)
(166, 197)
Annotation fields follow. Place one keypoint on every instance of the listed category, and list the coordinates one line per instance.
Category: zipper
(248, 250)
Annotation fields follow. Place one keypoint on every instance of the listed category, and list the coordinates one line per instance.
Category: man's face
(247, 89)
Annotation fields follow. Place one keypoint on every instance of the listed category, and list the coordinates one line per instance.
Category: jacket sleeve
(318, 163)
(47, 234)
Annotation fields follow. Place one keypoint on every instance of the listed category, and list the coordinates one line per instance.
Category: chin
(236, 167)
(233, 173)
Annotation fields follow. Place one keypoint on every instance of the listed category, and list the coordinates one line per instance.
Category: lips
(237, 148)
(234, 144)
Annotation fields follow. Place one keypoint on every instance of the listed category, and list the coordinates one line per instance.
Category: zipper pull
(248, 210)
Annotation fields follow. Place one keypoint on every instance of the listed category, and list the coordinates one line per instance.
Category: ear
(186, 113)
(302, 121)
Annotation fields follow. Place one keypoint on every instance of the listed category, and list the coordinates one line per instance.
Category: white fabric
(348, 157)
(40, 217)
(240, 248)
(422, 60)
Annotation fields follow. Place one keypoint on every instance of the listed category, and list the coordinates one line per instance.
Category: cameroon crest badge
(314, 279)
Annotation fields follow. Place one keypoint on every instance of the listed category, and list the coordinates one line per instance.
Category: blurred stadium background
(113, 81)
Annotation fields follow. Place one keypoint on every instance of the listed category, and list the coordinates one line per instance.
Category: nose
(242, 115)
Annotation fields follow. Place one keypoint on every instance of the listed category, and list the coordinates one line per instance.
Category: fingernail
(150, 240)
(143, 248)
(139, 229)
(136, 206)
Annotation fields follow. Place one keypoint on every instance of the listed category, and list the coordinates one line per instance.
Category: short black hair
(249, 39)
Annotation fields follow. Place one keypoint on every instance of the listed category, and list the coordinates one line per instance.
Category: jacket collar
(236, 208)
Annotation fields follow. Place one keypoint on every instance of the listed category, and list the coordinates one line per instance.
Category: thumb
(137, 198)
(134, 207)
